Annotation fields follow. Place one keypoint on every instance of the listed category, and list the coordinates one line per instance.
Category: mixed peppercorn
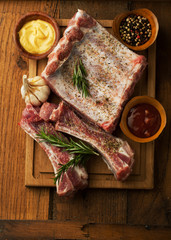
(135, 30)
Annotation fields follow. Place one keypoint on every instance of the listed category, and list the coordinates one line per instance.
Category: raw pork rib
(32, 123)
(116, 153)
(112, 69)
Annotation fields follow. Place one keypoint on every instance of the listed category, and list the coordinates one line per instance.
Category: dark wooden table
(38, 213)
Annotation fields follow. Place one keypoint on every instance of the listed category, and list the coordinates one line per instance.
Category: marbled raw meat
(116, 153)
(112, 69)
(32, 123)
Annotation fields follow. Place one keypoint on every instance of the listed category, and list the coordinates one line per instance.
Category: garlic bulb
(34, 90)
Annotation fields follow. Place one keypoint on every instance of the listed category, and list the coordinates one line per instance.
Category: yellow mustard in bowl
(37, 36)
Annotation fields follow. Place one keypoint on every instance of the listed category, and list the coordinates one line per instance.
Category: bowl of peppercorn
(136, 29)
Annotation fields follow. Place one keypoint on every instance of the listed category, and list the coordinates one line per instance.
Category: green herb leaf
(75, 161)
(60, 141)
(79, 150)
(79, 78)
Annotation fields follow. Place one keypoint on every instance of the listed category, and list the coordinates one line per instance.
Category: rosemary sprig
(61, 142)
(80, 151)
(79, 159)
(79, 78)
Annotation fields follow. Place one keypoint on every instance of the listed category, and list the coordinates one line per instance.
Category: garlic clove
(37, 81)
(31, 98)
(42, 93)
(27, 99)
(34, 90)
(23, 92)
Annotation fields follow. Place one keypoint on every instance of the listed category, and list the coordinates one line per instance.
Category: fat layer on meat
(31, 122)
(112, 70)
(116, 153)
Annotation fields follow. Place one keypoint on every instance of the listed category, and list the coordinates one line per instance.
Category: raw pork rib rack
(112, 69)
(32, 122)
(117, 154)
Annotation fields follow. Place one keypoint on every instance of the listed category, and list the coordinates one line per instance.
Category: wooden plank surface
(42, 230)
(64, 22)
(99, 206)
(16, 202)
(152, 207)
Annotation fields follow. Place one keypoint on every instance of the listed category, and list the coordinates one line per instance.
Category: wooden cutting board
(38, 169)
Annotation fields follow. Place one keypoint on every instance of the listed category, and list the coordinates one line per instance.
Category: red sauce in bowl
(143, 120)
